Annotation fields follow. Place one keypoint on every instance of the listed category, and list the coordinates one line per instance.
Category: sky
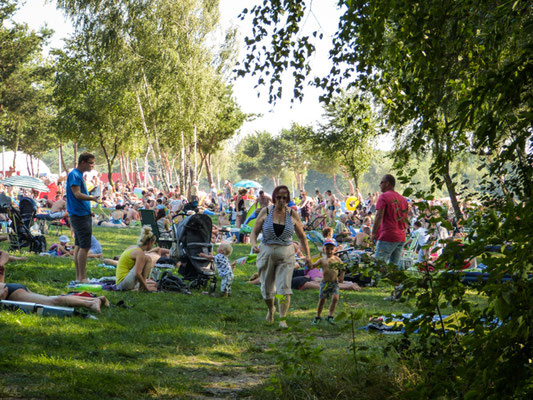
(324, 17)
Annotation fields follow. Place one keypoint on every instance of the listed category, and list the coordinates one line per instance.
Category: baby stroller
(19, 229)
(193, 236)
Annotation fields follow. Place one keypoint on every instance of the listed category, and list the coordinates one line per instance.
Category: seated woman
(134, 265)
(18, 292)
(163, 223)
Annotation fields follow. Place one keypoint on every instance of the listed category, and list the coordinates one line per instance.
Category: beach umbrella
(246, 183)
(26, 182)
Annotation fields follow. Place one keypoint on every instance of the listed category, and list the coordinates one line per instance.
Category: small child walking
(329, 287)
(224, 268)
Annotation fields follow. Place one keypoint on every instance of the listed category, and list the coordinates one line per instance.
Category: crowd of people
(381, 223)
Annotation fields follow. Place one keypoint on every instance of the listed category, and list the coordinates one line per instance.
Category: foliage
(25, 80)
(348, 134)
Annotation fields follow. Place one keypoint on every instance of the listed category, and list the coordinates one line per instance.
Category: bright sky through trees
(324, 17)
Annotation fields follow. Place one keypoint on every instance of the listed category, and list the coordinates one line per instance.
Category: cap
(332, 242)
(64, 239)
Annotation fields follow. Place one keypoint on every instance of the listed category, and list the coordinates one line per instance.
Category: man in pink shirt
(390, 224)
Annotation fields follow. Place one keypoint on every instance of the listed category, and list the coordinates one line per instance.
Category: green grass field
(170, 345)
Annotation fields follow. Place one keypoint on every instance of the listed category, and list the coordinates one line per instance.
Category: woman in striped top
(275, 261)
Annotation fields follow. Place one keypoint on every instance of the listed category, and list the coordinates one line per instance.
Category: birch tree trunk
(75, 145)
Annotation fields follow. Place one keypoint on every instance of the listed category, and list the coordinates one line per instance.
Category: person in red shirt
(390, 224)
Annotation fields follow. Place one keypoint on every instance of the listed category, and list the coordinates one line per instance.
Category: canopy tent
(23, 164)
(26, 182)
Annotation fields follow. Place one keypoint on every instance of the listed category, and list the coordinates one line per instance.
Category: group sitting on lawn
(372, 222)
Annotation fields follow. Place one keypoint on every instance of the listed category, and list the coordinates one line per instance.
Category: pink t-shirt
(393, 225)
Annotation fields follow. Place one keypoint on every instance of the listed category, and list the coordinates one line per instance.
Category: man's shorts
(328, 289)
(331, 208)
(83, 230)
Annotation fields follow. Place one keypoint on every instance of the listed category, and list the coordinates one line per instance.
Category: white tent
(24, 164)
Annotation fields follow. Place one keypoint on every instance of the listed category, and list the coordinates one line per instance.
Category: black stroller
(19, 229)
(193, 236)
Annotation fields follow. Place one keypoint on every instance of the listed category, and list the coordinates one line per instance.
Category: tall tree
(349, 134)
(25, 79)
(440, 68)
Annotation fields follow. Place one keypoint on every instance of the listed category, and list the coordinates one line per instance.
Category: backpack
(38, 244)
(172, 283)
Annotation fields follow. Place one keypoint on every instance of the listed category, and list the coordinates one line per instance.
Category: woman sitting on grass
(18, 292)
(134, 265)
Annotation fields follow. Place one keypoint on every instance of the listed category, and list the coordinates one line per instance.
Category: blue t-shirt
(96, 248)
(75, 206)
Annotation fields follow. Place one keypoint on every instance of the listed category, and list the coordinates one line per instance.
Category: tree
(25, 80)
(443, 69)
(348, 135)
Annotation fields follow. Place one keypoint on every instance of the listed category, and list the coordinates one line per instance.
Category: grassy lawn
(167, 345)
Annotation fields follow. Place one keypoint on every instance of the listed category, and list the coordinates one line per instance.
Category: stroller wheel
(193, 284)
(213, 286)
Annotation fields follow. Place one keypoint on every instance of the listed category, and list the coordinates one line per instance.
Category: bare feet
(4, 257)
(22, 258)
(95, 306)
(283, 325)
(270, 315)
(103, 301)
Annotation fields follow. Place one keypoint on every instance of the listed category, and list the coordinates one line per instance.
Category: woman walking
(276, 259)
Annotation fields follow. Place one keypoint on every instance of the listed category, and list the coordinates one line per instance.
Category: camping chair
(409, 255)
(148, 218)
(317, 222)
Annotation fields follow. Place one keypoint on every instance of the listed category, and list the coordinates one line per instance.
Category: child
(329, 287)
(61, 249)
(224, 268)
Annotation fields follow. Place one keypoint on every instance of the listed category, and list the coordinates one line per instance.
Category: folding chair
(148, 218)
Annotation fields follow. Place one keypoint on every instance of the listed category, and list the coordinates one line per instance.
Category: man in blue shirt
(79, 211)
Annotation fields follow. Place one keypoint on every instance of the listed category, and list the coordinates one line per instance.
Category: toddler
(329, 287)
(224, 268)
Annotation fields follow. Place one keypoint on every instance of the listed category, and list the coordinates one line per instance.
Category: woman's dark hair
(160, 213)
(276, 192)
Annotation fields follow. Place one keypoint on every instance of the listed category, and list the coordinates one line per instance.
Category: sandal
(329, 320)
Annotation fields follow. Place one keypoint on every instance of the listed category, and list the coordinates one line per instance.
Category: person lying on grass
(18, 292)
(329, 287)
(134, 266)
(4, 261)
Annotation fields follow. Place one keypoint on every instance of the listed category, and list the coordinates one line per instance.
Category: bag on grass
(171, 283)
(38, 245)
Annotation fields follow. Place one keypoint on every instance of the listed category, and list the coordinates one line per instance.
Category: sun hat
(64, 239)
(332, 242)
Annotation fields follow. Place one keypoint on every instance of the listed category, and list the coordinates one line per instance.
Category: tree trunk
(450, 185)
(350, 183)
(208, 170)
(15, 154)
(146, 167)
(336, 188)
(62, 159)
(75, 146)
(137, 173)
(182, 172)
(195, 156)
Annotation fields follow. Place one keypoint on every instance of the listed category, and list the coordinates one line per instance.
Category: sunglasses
(282, 198)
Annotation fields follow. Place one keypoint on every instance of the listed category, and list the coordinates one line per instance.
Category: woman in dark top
(241, 209)
(275, 261)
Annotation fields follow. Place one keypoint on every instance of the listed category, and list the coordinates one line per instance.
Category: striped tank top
(269, 235)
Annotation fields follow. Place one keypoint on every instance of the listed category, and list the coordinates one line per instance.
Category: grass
(167, 345)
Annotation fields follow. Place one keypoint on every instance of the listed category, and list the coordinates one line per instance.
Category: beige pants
(275, 264)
